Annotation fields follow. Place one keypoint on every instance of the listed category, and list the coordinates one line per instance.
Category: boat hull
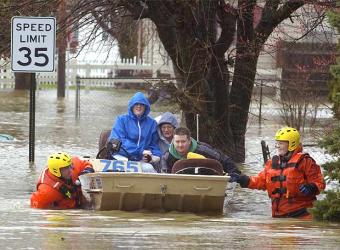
(130, 191)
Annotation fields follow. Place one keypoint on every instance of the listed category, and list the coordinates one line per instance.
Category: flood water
(246, 222)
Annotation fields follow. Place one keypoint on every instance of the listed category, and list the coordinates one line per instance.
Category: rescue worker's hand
(243, 180)
(234, 177)
(308, 189)
(87, 171)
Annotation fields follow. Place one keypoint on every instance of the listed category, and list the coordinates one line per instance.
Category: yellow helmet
(57, 161)
(289, 134)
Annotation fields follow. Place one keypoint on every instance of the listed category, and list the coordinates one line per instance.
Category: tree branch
(286, 10)
(272, 16)
(245, 21)
(164, 15)
(103, 24)
(227, 16)
(139, 9)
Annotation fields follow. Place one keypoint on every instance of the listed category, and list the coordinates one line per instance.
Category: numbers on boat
(120, 166)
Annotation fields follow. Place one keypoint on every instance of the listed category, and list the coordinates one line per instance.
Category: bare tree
(214, 46)
(120, 25)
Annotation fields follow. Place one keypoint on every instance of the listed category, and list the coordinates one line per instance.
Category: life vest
(68, 191)
(284, 179)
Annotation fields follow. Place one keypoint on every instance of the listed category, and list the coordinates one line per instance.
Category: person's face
(138, 109)
(281, 147)
(167, 131)
(182, 144)
(66, 172)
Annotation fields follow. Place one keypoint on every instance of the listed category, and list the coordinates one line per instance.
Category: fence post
(77, 96)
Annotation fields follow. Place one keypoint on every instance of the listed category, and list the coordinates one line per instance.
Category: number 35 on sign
(33, 44)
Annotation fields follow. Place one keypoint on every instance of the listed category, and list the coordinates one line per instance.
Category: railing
(102, 74)
(6, 75)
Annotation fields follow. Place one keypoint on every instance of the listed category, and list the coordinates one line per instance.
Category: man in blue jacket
(137, 132)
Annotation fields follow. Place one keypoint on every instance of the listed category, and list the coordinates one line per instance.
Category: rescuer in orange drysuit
(56, 187)
(291, 178)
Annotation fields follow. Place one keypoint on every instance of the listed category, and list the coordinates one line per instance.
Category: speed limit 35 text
(39, 38)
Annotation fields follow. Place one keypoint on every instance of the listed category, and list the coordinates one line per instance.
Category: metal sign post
(32, 119)
(32, 50)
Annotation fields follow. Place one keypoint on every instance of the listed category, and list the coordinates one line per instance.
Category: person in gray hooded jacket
(165, 129)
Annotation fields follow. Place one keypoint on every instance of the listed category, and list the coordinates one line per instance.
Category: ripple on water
(245, 224)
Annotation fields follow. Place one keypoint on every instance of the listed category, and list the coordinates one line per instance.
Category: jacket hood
(168, 117)
(139, 97)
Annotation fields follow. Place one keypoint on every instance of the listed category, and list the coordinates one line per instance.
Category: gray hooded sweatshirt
(169, 118)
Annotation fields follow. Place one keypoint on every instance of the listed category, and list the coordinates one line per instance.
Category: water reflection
(61, 105)
(245, 224)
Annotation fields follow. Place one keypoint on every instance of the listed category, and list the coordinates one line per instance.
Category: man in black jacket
(182, 144)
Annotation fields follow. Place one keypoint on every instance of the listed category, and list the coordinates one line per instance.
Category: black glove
(234, 177)
(87, 170)
(243, 180)
(308, 189)
(113, 146)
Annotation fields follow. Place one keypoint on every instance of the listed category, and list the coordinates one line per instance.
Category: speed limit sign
(33, 44)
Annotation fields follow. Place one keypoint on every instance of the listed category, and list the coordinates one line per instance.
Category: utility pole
(139, 42)
(62, 43)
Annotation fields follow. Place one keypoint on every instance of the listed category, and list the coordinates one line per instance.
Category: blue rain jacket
(136, 133)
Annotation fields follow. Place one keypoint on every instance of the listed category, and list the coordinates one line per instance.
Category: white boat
(122, 185)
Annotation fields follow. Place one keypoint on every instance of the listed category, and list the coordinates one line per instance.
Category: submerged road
(245, 224)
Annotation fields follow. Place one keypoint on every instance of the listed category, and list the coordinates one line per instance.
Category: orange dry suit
(55, 193)
(282, 179)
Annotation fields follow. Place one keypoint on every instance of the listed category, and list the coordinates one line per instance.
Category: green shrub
(329, 208)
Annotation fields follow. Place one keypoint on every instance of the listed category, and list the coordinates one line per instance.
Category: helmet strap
(287, 156)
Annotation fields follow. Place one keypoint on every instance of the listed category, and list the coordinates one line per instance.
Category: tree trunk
(206, 93)
(203, 76)
(213, 113)
(197, 35)
(61, 72)
(240, 97)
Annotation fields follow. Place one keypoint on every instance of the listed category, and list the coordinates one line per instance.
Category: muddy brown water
(245, 224)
